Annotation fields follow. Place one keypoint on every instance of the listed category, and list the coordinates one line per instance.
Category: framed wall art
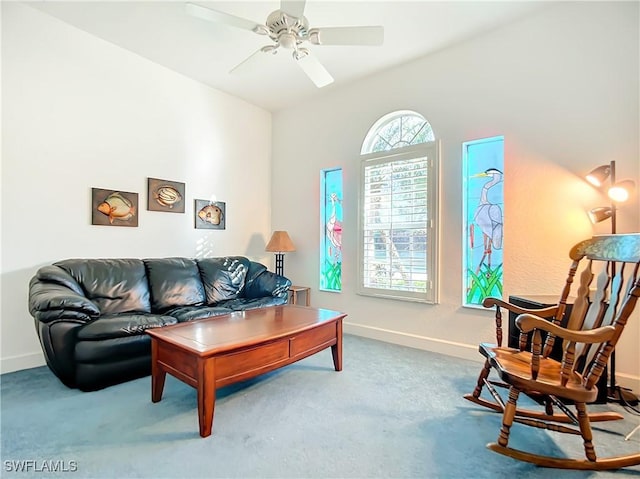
(114, 207)
(210, 215)
(165, 195)
(483, 204)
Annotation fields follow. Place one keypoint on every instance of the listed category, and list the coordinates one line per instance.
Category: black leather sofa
(91, 314)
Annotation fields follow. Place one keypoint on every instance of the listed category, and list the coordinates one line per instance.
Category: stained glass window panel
(483, 203)
(331, 239)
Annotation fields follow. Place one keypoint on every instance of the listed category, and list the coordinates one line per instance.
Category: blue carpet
(393, 412)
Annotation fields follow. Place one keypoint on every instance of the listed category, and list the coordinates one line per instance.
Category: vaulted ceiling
(206, 51)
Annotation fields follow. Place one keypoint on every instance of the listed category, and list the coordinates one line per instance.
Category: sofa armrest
(49, 301)
(58, 340)
(267, 284)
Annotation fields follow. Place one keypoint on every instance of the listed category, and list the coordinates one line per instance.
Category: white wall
(563, 88)
(77, 113)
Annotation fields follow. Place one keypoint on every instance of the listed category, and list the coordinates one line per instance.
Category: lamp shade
(596, 215)
(280, 243)
(621, 190)
(597, 176)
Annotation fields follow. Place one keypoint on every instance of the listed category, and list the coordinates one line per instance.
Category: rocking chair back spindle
(605, 273)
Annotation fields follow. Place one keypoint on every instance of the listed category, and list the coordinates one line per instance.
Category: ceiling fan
(288, 28)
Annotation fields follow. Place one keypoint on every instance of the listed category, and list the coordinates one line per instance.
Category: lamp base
(280, 264)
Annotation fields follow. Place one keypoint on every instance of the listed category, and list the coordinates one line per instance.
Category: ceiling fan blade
(251, 59)
(314, 70)
(221, 17)
(373, 35)
(294, 8)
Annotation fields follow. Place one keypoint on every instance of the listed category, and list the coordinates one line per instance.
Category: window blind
(395, 225)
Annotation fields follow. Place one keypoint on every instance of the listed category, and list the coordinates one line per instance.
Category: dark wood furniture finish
(604, 277)
(212, 353)
(541, 301)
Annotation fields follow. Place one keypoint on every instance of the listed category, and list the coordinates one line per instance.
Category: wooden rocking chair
(600, 313)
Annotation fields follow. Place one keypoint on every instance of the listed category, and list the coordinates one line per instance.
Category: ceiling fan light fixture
(288, 41)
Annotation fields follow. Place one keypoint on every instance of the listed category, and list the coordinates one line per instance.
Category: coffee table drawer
(322, 336)
(178, 360)
(262, 357)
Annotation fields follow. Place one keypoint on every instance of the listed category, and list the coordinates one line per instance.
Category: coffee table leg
(336, 349)
(158, 374)
(206, 395)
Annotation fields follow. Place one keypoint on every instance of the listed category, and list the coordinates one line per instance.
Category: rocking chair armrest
(548, 312)
(528, 322)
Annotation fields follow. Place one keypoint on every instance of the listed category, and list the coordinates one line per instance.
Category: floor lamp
(618, 192)
(279, 244)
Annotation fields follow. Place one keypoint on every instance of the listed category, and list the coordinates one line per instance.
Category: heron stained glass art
(483, 203)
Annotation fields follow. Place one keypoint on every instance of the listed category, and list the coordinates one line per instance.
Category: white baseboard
(451, 348)
(436, 345)
(17, 363)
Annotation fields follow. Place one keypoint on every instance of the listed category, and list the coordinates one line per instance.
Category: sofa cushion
(122, 325)
(191, 313)
(174, 282)
(223, 278)
(114, 285)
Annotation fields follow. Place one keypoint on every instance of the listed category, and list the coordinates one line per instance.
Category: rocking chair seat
(514, 367)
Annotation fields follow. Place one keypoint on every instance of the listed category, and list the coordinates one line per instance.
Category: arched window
(395, 130)
(398, 209)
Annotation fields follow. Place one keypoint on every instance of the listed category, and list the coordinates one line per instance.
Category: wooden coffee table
(211, 353)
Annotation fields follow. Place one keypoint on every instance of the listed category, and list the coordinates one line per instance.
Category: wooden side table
(294, 290)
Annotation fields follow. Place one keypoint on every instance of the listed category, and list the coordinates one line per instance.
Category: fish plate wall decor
(114, 208)
(210, 215)
(165, 195)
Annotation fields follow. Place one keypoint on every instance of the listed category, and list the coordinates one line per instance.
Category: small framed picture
(165, 195)
(114, 208)
(210, 215)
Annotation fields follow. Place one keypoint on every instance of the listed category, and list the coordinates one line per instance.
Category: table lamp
(279, 244)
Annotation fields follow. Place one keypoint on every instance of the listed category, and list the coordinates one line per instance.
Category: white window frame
(430, 150)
